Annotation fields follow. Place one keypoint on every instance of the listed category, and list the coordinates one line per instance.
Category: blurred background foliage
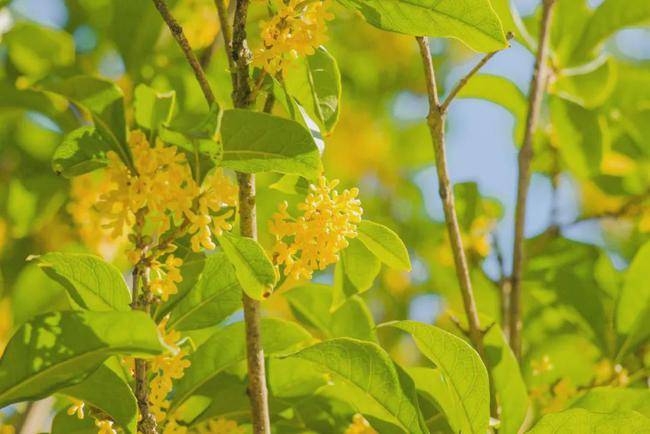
(589, 210)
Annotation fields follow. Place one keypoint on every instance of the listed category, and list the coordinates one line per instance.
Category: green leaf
(463, 370)
(228, 346)
(107, 390)
(82, 151)
(104, 100)
(432, 386)
(589, 89)
(311, 305)
(503, 92)
(580, 135)
(259, 142)
(511, 21)
(292, 377)
(152, 108)
(253, 268)
(92, 283)
(316, 84)
(509, 385)
(66, 424)
(36, 50)
(634, 301)
(373, 381)
(608, 18)
(615, 400)
(53, 106)
(216, 295)
(578, 420)
(385, 244)
(354, 273)
(60, 349)
(473, 22)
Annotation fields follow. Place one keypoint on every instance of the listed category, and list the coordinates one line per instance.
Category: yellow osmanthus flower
(219, 426)
(77, 408)
(167, 275)
(563, 391)
(360, 425)
(297, 29)
(7, 429)
(542, 365)
(105, 427)
(6, 322)
(85, 191)
(165, 369)
(164, 190)
(313, 240)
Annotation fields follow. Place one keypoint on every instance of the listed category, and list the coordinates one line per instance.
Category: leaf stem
(536, 93)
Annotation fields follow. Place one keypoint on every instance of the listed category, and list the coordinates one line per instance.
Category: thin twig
(463, 81)
(179, 36)
(535, 96)
(436, 121)
(504, 286)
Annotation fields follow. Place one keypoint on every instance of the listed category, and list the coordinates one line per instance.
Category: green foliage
(580, 419)
(473, 22)
(56, 350)
(370, 381)
(108, 390)
(253, 268)
(258, 142)
(227, 347)
(153, 109)
(92, 283)
(36, 50)
(83, 150)
(215, 295)
(466, 378)
(634, 301)
(385, 244)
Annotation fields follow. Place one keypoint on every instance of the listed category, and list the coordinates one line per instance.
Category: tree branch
(179, 36)
(463, 81)
(536, 93)
(436, 121)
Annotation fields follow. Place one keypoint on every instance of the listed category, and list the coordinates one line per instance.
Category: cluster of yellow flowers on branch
(313, 240)
(105, 426)
(160, 201)
(297, 29)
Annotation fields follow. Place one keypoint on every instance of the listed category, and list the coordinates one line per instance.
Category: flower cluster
(166, 368)
(90, 223)
(164, 188)
(296, 29)
(77, 408)
(219, 426)
(360, 425)
(199, 21)
(165, 276)
(313, 240)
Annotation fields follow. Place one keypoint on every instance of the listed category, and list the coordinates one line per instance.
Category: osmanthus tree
(162, 170)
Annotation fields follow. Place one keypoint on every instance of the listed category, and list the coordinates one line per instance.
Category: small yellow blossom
(167, 275)
(165, 369)
(313, 240)
(563, 391)
(541, 366)
(105, 427)
(7, 429)
(77, 408)
(295, 30)
(359, 425)
(219, 426)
